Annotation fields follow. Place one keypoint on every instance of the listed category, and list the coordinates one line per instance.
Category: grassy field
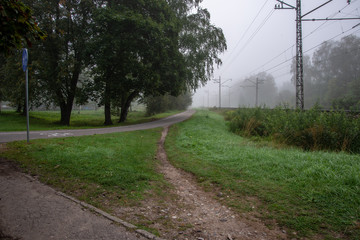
(312, 194)
(120, 167)
(49, 120)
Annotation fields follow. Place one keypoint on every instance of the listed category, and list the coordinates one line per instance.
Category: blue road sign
(24, 59)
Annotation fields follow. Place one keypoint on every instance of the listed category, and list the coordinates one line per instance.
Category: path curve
(18, 136)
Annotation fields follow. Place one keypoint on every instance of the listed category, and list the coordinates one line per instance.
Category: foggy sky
(249, 54)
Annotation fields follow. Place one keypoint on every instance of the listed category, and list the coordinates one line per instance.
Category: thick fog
(261, 47)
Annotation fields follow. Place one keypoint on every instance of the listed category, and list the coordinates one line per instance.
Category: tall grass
(311, 130)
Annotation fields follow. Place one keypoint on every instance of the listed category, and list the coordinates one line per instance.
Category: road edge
(112, 218)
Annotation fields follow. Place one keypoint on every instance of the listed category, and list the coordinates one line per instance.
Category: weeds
(310, 130)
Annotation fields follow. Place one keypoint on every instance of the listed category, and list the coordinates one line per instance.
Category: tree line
(331, 80)
(113, 52)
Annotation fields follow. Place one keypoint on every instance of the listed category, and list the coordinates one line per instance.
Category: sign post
(25, 57)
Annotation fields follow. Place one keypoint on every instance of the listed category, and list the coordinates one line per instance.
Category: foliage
(315, 194)
(164, 60)
(58, 61)
(200, 42)
(332, 76)
(158, 104)
(141, 68)
(311, 130)
(130, 48)
(12, 88)
(18, 27)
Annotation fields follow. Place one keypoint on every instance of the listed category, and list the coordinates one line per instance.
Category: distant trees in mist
(331, 80)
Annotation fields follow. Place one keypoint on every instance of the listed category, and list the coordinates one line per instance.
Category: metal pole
(220, 92)
(27, 105)
(257, 92)
(25, 59)
(229, 98)
(299, 59)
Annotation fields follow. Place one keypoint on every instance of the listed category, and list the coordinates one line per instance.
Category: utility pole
(257, 89)
(219, 92)
(219, 82)
(299, 59)
(220, 85)
(256, 85)
(299, 79)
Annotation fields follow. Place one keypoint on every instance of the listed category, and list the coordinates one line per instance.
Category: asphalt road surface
(18, 136)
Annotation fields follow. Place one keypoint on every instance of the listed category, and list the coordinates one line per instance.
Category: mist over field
(261, 45)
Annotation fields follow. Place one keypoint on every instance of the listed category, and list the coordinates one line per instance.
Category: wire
(242, 37)
(267, 70)
(318, 28)
(271, 60)
(250, 39)
(288, 65)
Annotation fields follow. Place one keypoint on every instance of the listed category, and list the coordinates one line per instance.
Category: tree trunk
(125, 105)
(65, 109)
(18, 108)
(108, 120)
(107, 97)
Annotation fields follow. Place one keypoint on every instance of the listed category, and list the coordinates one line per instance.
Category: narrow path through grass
(311, 193)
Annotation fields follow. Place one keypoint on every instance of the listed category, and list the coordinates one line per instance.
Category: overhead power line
(246, 31)
(250, 39)
(299, 80)
(312, 48)
(292, 46)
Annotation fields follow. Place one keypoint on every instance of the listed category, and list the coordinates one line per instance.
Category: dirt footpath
(212, 219)
(31, 210)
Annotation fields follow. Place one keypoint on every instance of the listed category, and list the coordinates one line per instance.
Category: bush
(160, 104)
(311, 129)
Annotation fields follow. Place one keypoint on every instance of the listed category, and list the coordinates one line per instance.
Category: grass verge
(315, 194)
(49, 120)
(102, 170)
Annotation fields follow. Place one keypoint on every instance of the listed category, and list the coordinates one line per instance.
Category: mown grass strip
(49, 120)
(100, 169)
(312, 193)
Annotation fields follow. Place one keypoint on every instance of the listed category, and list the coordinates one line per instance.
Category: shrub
(312, 129)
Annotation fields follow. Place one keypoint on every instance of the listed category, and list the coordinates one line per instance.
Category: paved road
(18, 136)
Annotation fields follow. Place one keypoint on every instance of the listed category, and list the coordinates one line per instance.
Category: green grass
(312, 193)
(118, 167)
(49, 120)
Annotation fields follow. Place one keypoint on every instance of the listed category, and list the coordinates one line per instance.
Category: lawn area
(313, 194)
(117, 167)
(49, 120)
